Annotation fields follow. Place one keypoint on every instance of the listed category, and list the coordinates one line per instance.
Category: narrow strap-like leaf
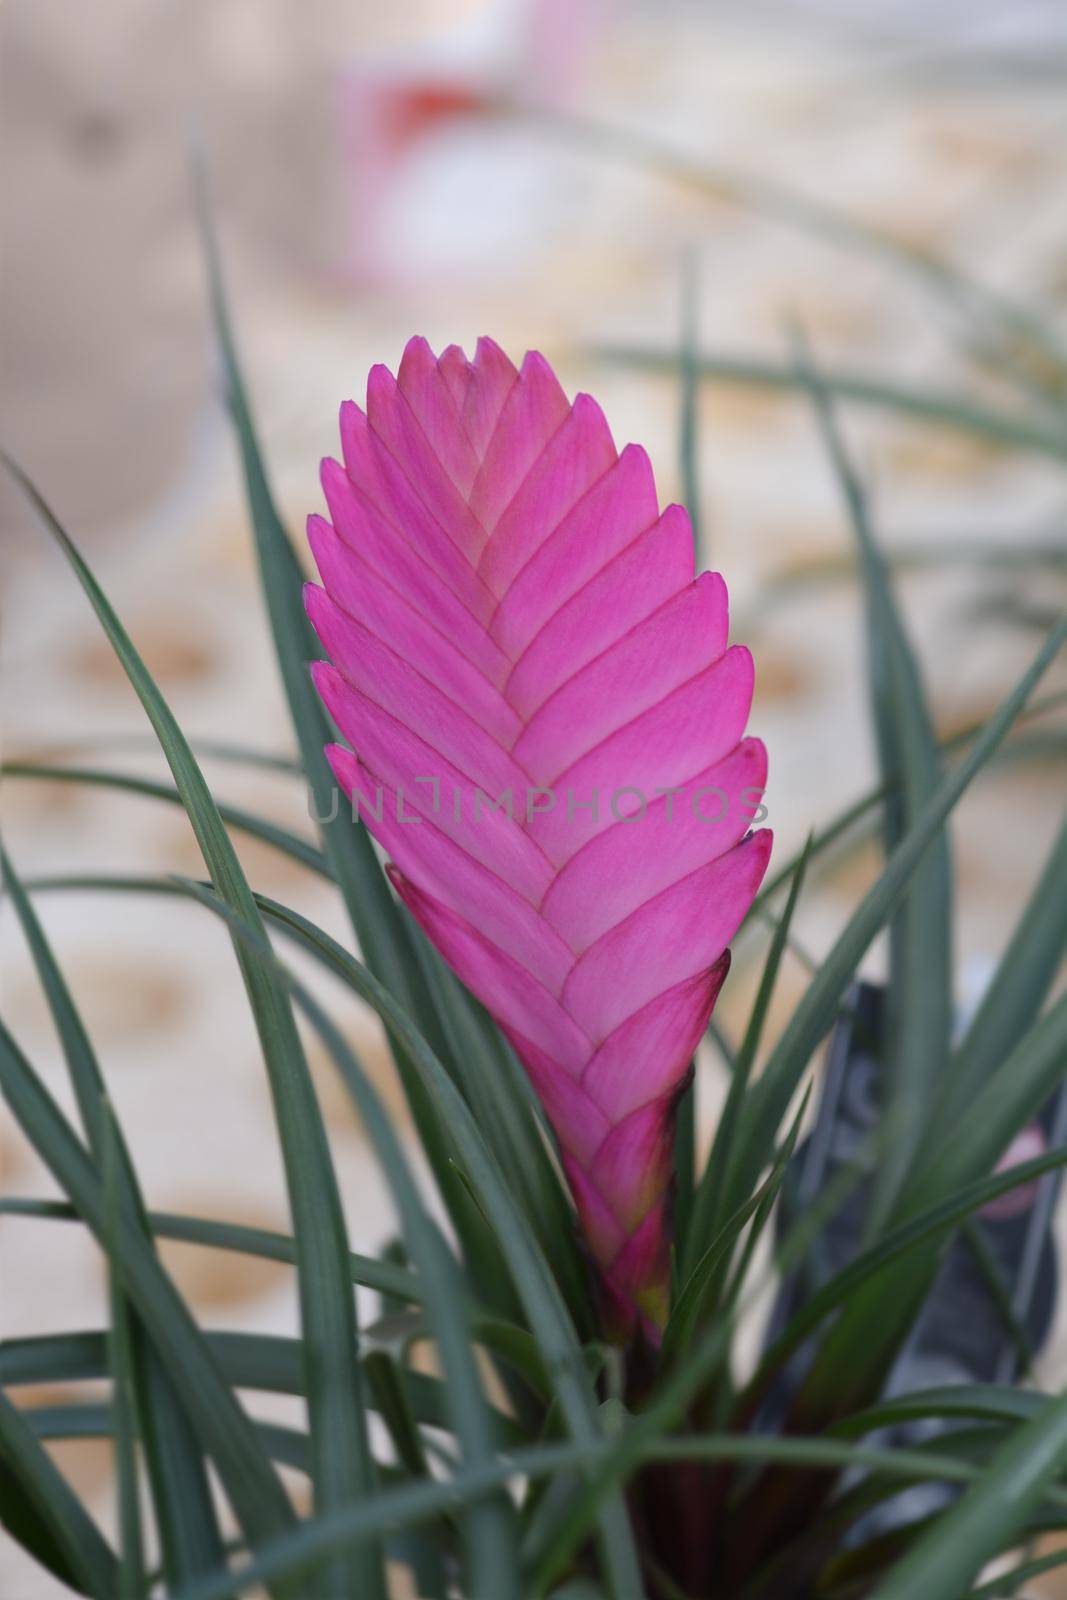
(386, 935)
(40, 1509)
(1017, 988)
(959, 410)
(123, 1375)
(711, 1195)
(343, 1468)
(536, 1286)
(414, 1503)
(959, 292)
(185, 1515)
(919, 997)
(855, 1355)
(950, 1555)
(271, 1362)
(252, 1487)
(492, 1543)
(382, 1276)
(770, 1097)
(290, 844)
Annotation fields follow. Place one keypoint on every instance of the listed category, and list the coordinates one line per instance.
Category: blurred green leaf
(343, 1467)
(536, 1286)
(181, 1496)
(1012, 1095)
(387, 937)
(919, 993)
(291, 844)
(41, 1511)
(131, 1584)
(365, 1270)
(271, 1362)
(707, 1273)
(979, 1401)
(491, 1538)
(254, 1491)
(840, 825)
(289, 1447)
(707, 1207)
(419, 1502)
(1017, 988)
(689, 429)
(853, 1360)
(981, 307)
(1009, 430)
(768, 1099)
(949, 1556)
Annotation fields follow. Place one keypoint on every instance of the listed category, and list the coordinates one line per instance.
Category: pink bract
(547, 739)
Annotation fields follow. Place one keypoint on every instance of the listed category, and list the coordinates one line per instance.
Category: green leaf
(852, 1360)
(707, 1206)
(392, 946)
(185, 1516)
(388, 1388)
(254, 1491)
(92, 1420)
(343, 1466)
(382, 928)
(861, 808)
(671, 1400)
(40, 1509)
(1017, 989)
(365, 1270)
(946, 1560)
(919, 996)
(976, 302)
(685, 1156)
(689, 429)
(768, 1194)
(411, 1504)
(537, 1288)
(1014, 1094)
(958, 410)
(484, 1069)
(1010, 1585)
(768, 1099)
(981, 1401)
(706, 1275)
(491, 1539)
(123, 1379)
(265, 1361)
(290, 844)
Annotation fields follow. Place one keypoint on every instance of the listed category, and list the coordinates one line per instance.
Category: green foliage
(539, 1459)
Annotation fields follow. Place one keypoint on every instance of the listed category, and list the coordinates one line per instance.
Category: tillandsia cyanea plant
(520, 657)
(521, 652)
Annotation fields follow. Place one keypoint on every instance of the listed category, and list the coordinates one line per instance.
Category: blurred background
(613, 182)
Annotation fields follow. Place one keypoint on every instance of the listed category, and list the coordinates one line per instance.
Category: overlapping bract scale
(545, 733)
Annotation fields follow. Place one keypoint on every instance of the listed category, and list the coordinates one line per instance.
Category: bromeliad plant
(544, 732)
(518, 643)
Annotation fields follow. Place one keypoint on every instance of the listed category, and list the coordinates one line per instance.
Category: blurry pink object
(530, 51)
(1027, 1145)
(547, 733)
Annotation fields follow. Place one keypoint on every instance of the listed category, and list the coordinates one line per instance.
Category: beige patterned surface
(110, 403)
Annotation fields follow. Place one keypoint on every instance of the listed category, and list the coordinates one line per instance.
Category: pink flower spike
(547, 731)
